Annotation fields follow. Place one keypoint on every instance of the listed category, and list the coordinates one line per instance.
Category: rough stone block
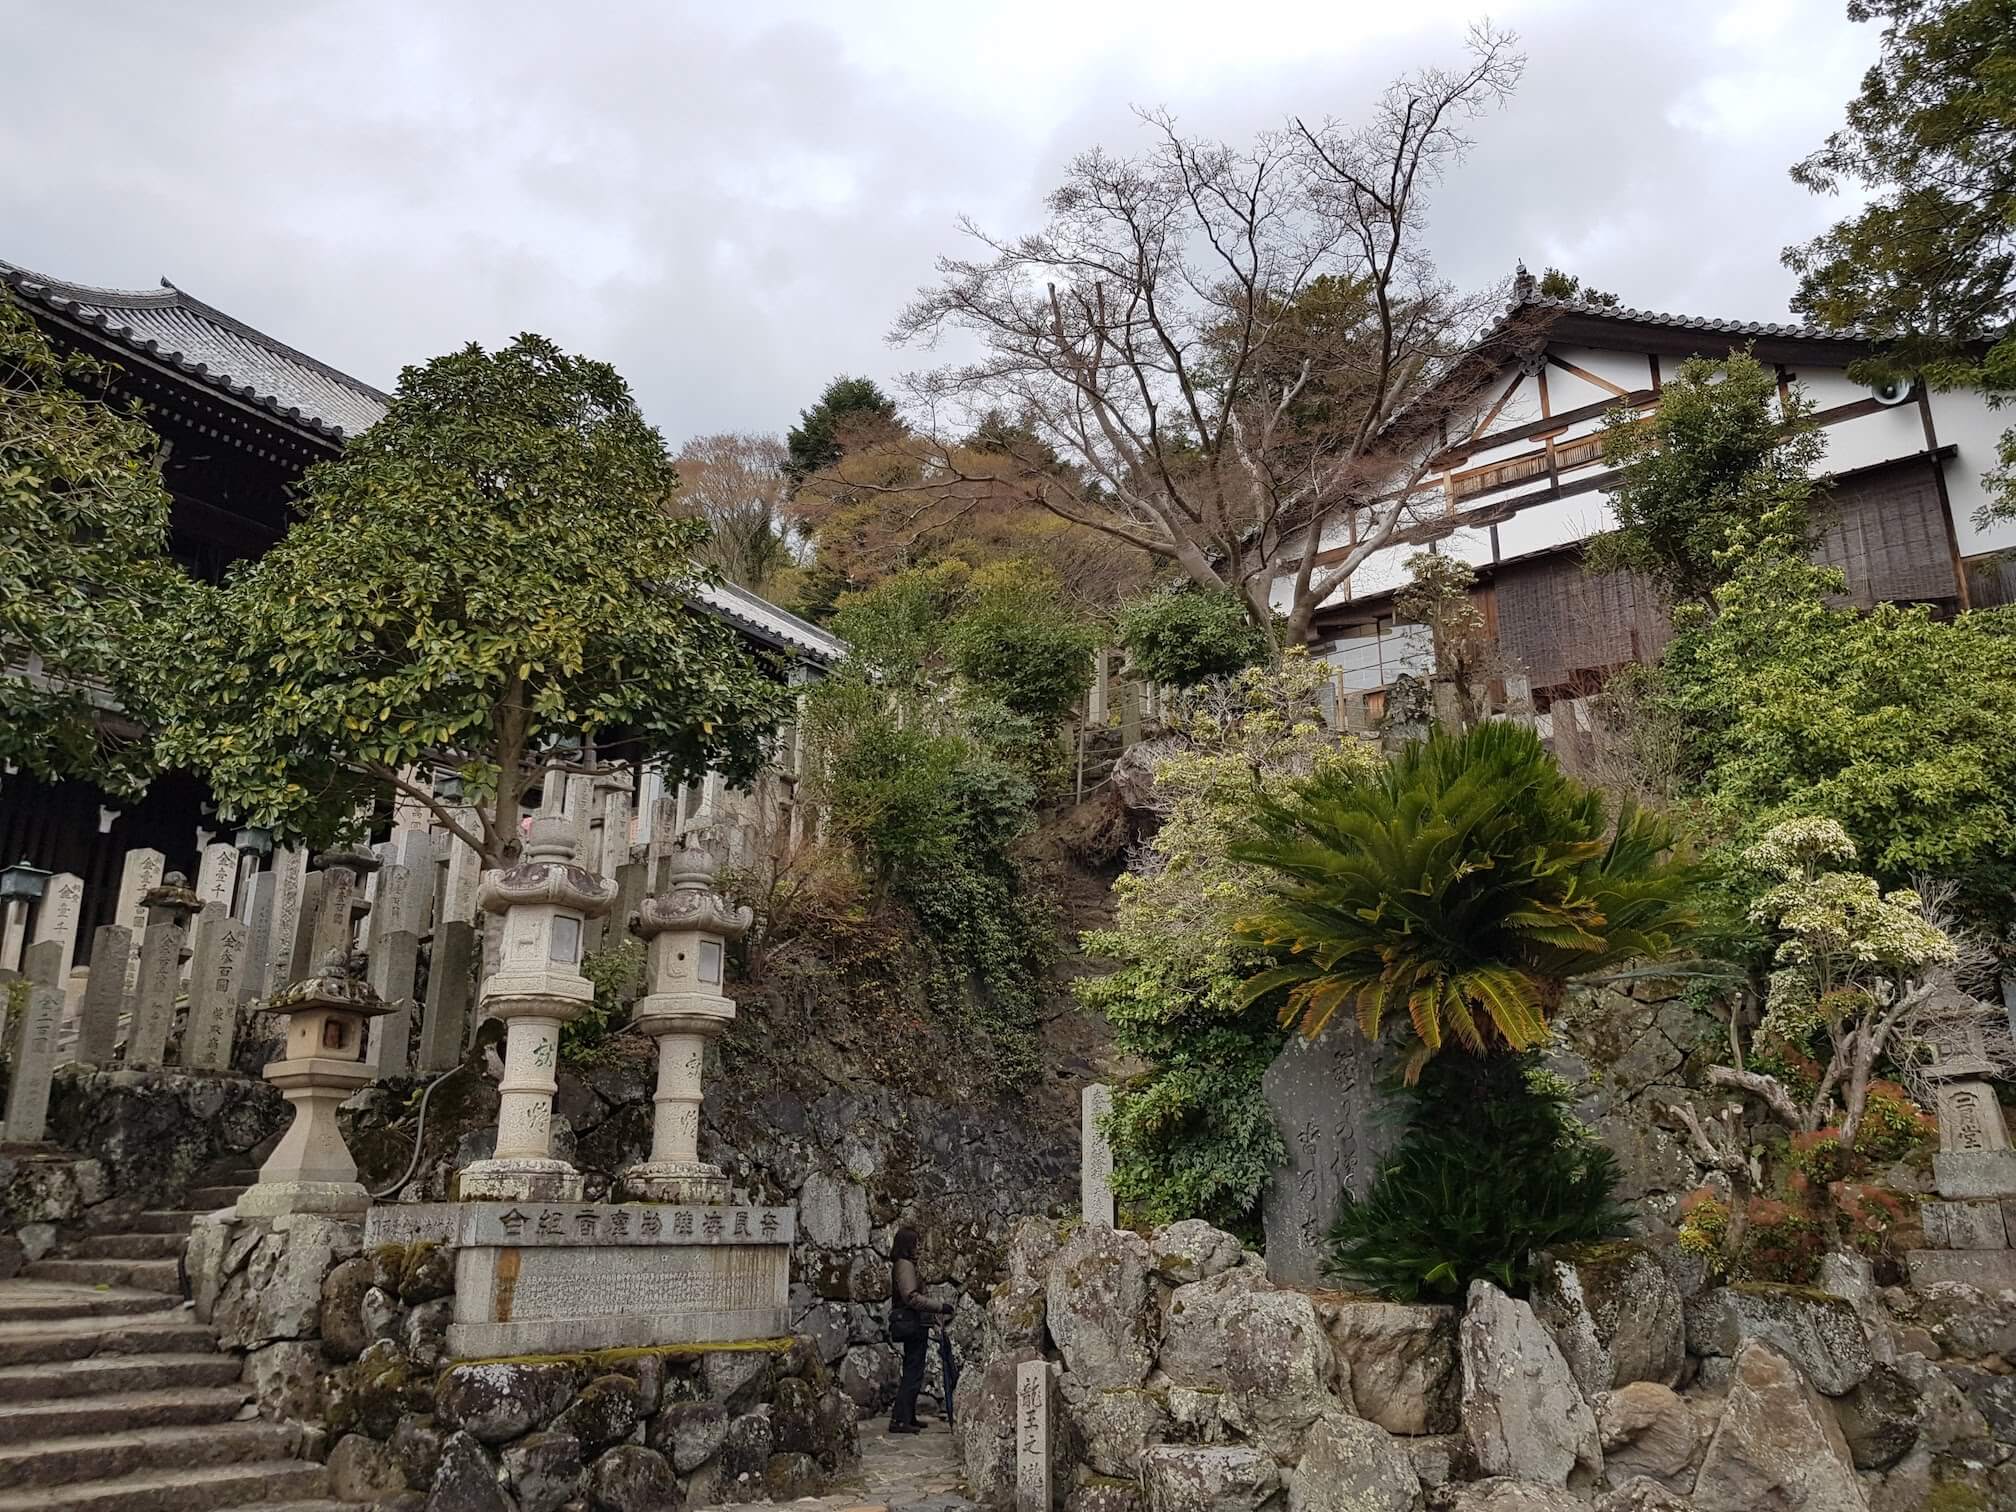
(1964, 1225)
(1975, 1173)
(1990, 1270)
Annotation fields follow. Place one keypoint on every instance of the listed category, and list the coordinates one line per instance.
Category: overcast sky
(732, 201)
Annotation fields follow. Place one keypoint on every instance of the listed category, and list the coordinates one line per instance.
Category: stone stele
(558, 1277)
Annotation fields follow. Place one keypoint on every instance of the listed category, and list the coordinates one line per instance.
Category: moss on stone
(600, 1360)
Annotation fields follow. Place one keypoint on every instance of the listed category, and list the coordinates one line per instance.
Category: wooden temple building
(241, 417)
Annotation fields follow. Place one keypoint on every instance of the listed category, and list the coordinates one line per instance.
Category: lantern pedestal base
(521, 1179)
(270, 1199)
(683, 1181)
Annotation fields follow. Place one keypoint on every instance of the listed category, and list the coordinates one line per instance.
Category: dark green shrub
(1023, 647)
(1490, 1170)
(1183, 637)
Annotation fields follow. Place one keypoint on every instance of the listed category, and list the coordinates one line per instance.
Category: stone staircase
(114, 1399)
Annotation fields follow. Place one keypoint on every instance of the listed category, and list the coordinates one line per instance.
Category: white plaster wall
(1966, 421)
(1554, 523)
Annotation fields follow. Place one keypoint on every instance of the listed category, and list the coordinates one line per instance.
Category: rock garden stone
(1647, 1431)
(362, 1470)
(745, 1454)
(1523, 1415)
(466, 1480)
(1099, 1307)
(1264, 1350)
(341, 1316)
(1820, 1333)
(1642, 1494)
(1183, 1478)
(503, 1400)
(1777, 1446)
(1616, 1314)
(604, 1413)
(689, 1433)
(286, 1381)
(1401, 1360)
(1501, 1493)
(1879, 1418)
(789, 1476)
(1104, 1496)
(1115, 1426)
(424, 1331)
(735, 1377)
(1350, 1465)
(416, 1446)
(632, 1478)
(545, 1470)
(1015, 1316)
(1193, 1250)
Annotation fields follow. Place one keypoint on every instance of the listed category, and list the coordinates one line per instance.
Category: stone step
(42, 1341)
(210, 1198)
(28, 1301)
(178, 1490)
(163, 1276)
(128, 1247)
(76, 1378)
(51, 1462)
(167, 1221)
(120, 1412)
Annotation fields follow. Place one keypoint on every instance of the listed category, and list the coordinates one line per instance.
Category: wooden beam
(1586, 376)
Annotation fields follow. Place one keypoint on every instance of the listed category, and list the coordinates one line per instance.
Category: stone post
(544, 900)
(394, 955)
(104, 995)
(217, 877)
(1032, 1436)
(342, 903)
(32, 1052)
(311, 1170)
(213, 992)
(57, 918)
(139, 873)
(169, 907)
(290, 877)
(1095, 1157)
(686, 931)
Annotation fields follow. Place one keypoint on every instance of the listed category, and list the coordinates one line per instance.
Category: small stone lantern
(546, 901)
(310, 1170)
(686, 933)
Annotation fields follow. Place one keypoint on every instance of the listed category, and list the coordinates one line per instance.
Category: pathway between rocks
(898, 1473)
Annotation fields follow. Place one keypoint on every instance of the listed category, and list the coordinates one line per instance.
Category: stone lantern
(686, 933)
(310, 1170)
(546, 901)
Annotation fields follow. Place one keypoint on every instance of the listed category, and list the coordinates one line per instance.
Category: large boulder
(1193, 1250)
(286, 1381)
(1820, 1333)
(465, 1480)
(1501, 1493)
(632, 1478)
(1100, 1307)
(1777, 1447)
(603, 1415)
(545, 1470)
(1015, 1316)
(1113, 1427)
(1523, 1415)
(503, 1399)
(984, 1427)
(1187, 1478)
(1401, 1361)
(1616, 1314)
(1264, 1350)
(689, 1433)
(362, 1470)
(1647, 1431)
(1350, 1465)
(1879, 1418)
(1643, 1494)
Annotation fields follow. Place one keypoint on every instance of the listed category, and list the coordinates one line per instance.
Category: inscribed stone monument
(1032, 1436)
(1325, 1099)
(104, 995)
(1095, 1156)
(221, 947)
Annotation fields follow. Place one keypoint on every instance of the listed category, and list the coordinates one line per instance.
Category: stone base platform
(559, 1278)
(1975, 1173)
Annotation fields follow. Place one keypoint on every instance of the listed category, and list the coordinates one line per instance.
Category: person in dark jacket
(908, 1310)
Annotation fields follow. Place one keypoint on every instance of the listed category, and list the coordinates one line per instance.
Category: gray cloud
(731, 203)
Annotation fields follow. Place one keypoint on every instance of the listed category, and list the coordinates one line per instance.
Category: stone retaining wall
(349, 1343)
(1185, 1381)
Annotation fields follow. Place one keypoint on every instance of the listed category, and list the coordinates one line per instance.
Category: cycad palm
(1462, 884)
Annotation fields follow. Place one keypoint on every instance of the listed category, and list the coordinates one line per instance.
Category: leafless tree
(1243, 358)
(736, 483)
